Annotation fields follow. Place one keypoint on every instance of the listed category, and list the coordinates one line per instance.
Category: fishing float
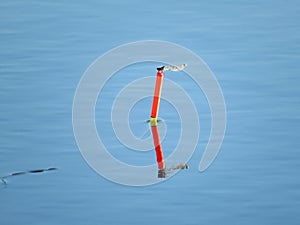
(154, 114)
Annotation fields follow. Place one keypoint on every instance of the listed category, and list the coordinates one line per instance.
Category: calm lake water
(252, 47)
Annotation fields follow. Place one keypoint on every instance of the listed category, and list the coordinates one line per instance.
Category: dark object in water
(17, 173)
(26, 172)
(36, 171)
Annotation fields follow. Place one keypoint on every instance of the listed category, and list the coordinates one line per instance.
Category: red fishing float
(154, 114)
(153, 119)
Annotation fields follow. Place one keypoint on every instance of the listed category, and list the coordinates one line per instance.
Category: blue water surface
(252, 47)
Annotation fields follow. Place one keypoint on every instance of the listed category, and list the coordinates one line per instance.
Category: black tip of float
(161, 173)
(160, 68)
